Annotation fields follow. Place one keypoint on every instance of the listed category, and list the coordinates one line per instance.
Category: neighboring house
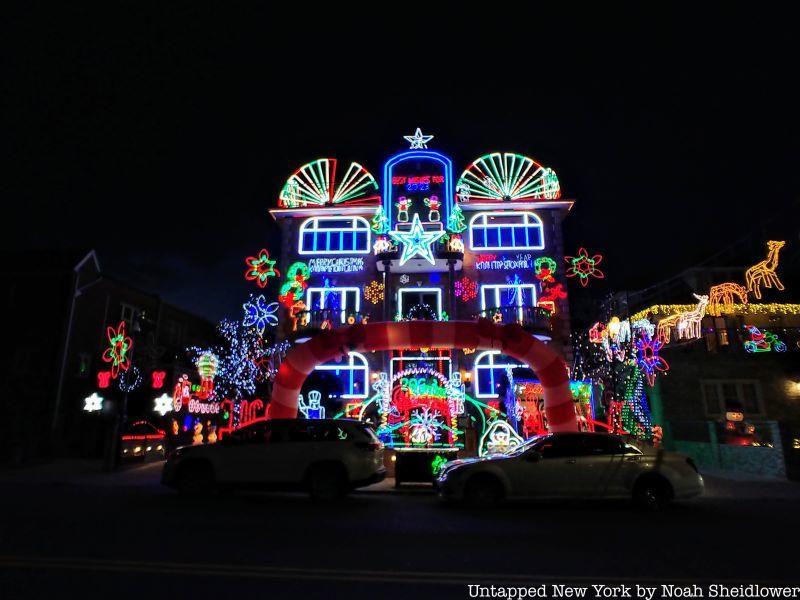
(62, 304)
(746, 361)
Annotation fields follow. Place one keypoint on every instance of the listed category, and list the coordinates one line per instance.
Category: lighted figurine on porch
(433, 205)
(403, 204)
(197, 438)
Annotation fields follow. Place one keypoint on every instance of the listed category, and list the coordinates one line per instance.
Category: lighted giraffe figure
(687, 323)
(724, 295)
(763, 273)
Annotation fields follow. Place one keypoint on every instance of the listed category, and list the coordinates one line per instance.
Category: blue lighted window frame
(497, 289)
(496, 370)
(360, 225)
(349, 369)
(388, 170)
(342, 292)
(528, 219)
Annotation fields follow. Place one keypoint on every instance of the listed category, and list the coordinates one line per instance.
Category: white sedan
(573, 465)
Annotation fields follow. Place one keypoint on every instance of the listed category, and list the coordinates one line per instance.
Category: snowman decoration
(433, 205)
(403, 204)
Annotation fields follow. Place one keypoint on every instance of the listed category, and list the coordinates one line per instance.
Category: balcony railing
(530, 317)
(328, 318)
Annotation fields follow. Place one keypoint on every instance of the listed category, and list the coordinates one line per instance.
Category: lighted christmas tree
(455, 222)
(380, 223)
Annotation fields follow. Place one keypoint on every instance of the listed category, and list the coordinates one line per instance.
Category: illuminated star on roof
(163, 404)
(93, 403)
(418, 140)
(417, 241)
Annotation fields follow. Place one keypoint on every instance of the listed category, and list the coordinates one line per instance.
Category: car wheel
(483, 491)
(651, 495)
(195, 480)
(327, 483)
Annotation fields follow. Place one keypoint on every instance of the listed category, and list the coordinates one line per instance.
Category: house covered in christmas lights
(421, 242)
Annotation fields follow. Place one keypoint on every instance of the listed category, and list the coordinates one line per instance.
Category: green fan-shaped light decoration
(315, 184)
(498, 177)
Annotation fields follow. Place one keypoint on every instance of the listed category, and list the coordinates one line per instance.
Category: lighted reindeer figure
(763, 273)
(724, 295)
(687, 323)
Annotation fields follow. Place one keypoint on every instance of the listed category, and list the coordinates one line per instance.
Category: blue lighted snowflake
(260, 314)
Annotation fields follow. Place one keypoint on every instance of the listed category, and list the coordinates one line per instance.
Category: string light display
(544, 268)
(382, 245)
(259, 314)
(238, 358)
(297, 276)
(455, 244)
(374, 292)
(456, 222)
(380, 222)
(500, 177)
(466, 289)
(648, 359)
(752, 309)
(584, 266)
(103, 379)
(163, 404)
(723, 295)
(463, 191)
(130, 379)
(260, 268)
(434, 204)
(313, 409)
(157, 379)
(763, 273)
(417, 241)
(93, 403)
(418, 140)
(118, 350)
(762, 341)
(687, 324)
(499, 438)
(315, 184)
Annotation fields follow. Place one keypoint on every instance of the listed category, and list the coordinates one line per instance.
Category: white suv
(324, 456)
(573, 465)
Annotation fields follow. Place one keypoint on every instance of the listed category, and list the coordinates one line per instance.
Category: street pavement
(68, 527)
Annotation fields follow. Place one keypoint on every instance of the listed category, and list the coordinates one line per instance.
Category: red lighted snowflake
(260, 268)
(466, 289)
(583, 266)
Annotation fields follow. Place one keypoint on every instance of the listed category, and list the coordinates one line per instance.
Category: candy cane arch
(511, 340)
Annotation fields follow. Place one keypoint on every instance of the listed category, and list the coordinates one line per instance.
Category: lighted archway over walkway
(511, 340)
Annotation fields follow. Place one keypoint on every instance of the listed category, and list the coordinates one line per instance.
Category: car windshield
(528, 444)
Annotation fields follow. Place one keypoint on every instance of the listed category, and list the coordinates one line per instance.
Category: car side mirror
(533, 456)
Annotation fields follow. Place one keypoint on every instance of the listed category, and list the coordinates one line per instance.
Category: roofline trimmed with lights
(314, 211)
(515, 205)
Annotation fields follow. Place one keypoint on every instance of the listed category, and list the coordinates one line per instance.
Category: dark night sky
(161, 137)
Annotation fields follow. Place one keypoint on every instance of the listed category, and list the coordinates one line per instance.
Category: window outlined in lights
(488, 371)
(340, 235)
(404, 305)
(341, 299)
(353, 372)
(506, 231)
(496, 296)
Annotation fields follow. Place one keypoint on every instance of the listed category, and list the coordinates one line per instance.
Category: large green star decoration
(416, 241)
